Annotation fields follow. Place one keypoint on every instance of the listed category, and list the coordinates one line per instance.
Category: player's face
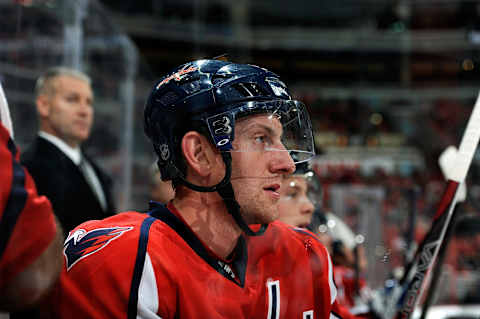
(295, 208)
(258, 173)
(69, 114)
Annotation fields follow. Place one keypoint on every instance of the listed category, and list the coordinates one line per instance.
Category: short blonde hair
(44, 84)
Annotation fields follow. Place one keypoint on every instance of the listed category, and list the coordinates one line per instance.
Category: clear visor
(314, 188)
(273, 126)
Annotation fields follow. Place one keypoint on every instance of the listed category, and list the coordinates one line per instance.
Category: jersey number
(273, 288)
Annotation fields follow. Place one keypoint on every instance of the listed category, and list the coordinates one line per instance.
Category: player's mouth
(273, 191)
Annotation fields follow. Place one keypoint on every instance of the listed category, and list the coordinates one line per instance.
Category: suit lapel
(55, 154)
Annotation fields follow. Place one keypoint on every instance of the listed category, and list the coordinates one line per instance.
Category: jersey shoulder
(281, 238)
(295, 235)
(103, 241)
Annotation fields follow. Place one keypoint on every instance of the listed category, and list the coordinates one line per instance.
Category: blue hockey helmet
(208, 96)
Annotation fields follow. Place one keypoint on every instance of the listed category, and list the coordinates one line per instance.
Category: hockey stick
(446, 160)
(437, 268)
(428, 250)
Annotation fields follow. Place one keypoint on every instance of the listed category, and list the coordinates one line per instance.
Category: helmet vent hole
(249, 89)
(191, 87)
(168, 98)
(219, 79)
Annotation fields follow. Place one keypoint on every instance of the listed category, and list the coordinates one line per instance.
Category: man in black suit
(76, 186)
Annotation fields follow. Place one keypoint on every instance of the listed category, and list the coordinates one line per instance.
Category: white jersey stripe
(331, 283)
(148, 293)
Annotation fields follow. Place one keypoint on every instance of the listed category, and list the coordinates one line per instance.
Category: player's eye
(71, 98)
(292, 195)
(263, 140)
(260, 139)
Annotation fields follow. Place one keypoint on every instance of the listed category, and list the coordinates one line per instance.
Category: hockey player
(299, 197)
(223, 133)
(295, 206)
(30, 240)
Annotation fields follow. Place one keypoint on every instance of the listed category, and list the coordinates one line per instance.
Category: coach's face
(67, 112)
(259, 164)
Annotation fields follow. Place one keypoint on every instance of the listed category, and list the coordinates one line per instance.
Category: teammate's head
(64, 100)
(295, 205)
(215, 124)
(345, 247)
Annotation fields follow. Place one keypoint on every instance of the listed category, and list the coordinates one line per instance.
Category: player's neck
(207, 216)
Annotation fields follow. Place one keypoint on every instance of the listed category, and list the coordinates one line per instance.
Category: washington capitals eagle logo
(81, 244)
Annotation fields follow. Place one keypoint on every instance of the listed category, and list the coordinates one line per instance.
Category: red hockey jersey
(27, 225)
(346, 282)
(135, 265)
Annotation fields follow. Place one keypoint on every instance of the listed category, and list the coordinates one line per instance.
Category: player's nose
(307, 207)
(282, 163)
(84, 108)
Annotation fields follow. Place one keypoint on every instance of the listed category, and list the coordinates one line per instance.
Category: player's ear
(201, 156)
(43, 105)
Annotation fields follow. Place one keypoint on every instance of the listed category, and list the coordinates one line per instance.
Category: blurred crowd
(403, 192)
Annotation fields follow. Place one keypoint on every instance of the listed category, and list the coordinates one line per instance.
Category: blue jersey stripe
(16, 200)
(138, 270)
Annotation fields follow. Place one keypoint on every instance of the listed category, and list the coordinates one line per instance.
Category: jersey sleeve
(337, 311)
(27, 224)
(106, 273)
(323, 268)
(340, 311)
(325, 291)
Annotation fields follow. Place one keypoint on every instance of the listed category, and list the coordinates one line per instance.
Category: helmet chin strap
(225, 190)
